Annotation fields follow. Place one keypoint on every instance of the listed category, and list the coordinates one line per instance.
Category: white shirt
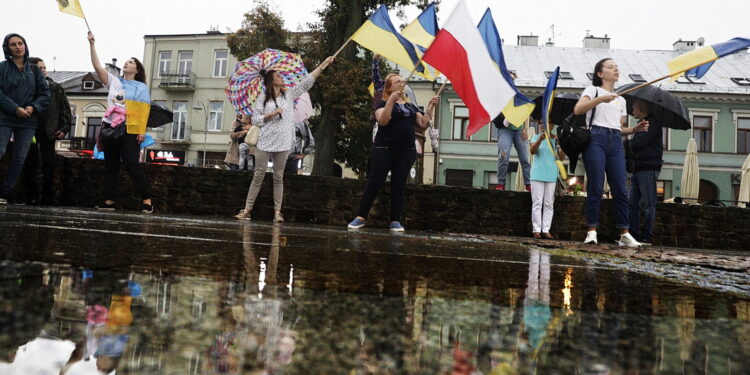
(277, 134)
(608, 115)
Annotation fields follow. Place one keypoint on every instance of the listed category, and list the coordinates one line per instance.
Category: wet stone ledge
(333, 201)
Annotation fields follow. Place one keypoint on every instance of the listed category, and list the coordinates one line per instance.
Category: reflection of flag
(459, 52)
(72, 7)
(422, 30)
(137, 106)
(519, 110)
(549, 97)
(378, 35)
(699, 61)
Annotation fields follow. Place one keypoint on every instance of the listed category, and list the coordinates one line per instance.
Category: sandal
(243, 215)
(277, 218)
(548, 236)
(536, 235)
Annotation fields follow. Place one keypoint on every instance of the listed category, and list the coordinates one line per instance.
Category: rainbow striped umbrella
(246, 83)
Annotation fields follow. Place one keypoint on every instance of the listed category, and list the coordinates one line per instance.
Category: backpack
(573, 136)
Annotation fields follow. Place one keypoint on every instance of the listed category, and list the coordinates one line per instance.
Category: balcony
(177, 80)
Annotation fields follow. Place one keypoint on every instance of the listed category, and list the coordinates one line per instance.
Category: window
(88, 85)
(590, 75)
(637, 78)
(566, 75)
(179, 109)
(665, 138)
(165, 63)
(93, 126)
(743, 135)
(663, 190)
(690, 80)
(459, 177)
(215, 110)
(702, 128)
(741, 81)
(220, 62)
(184, 66)
(460, 122)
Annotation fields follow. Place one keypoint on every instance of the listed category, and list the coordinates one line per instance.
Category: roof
(63, 77)
(530, 63)
(207, 34)
(72, 83)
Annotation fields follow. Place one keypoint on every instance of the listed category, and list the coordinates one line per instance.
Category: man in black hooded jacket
(24, 94)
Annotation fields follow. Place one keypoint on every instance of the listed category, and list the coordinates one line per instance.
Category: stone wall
(333, 201)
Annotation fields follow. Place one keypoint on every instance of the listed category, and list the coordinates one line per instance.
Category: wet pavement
(82, 290)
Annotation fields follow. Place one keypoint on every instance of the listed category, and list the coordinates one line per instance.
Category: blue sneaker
(356, 223)
(396, 227)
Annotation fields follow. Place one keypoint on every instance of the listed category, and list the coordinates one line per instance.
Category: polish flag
(460, 54)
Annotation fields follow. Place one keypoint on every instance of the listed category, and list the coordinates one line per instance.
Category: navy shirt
(399, 133)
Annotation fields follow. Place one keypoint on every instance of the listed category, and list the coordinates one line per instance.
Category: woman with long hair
(393, 150)
(605, 154)
(273, 112)
(126, 148)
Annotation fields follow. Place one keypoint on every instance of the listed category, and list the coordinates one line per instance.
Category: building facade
(187, 73)
(718, 104)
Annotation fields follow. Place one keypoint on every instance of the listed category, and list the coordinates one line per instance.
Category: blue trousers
(605, 155)
(506, 138)
(21, 143)
(643, 200)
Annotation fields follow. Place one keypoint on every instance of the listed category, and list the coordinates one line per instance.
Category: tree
(262, 28)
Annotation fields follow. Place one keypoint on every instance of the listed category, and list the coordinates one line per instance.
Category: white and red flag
(459, 52)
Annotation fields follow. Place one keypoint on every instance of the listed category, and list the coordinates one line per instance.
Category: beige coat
(233, 154)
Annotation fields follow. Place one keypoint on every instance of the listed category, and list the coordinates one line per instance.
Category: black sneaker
(105, 207)
(147, 208)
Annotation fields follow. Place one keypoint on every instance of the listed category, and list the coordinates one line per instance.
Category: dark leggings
(384, 160)
(128, 150)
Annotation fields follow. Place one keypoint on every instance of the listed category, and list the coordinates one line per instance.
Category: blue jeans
(643, 199)
(605, 154)
(507, 137)
(21, 143)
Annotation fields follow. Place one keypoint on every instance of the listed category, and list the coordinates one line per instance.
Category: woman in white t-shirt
(605, 152)
(126, 148)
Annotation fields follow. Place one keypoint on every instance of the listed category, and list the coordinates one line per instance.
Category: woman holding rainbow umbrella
(265, 86)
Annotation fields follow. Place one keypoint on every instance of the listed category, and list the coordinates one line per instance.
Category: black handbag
(110, 135)
(574, 136)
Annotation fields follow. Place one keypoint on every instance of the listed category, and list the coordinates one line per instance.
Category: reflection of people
(273, 112)
(127, 149)
(511, 135)
(647, 153)
(605, 151)
(536, 310)
(393, 150)
(543, 179)
(24, 94)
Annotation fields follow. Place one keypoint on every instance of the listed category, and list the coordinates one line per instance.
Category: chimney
(528, 40)
(112, 68)
(591, 41)
(684, 45)
(549, 43)
(213, 30)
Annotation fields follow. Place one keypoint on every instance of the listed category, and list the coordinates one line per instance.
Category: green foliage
(262, 28)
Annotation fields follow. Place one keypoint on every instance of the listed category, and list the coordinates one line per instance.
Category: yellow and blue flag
(378, 35)
(422, 30)
(72, 7)
(137, 105)
(520, 108)
(697, 63)
(549, 98)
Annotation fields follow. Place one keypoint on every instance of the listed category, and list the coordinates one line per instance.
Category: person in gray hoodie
(24, 93)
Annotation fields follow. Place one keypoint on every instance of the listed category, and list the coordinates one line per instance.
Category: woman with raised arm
(273, 112)
(126, 149)
(605, 153)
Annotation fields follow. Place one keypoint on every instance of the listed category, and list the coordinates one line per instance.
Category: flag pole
(87, 23)
(342, 47)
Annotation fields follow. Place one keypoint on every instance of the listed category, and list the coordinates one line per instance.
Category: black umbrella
(561, 107)
(159, 116)
(666, 108)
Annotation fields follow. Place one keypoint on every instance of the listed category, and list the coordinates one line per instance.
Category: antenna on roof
(552, 29)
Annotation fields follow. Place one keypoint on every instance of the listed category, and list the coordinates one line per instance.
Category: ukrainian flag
(378, 35)
(519, 110)
(549, 98)
(422, 30)
(697, 63)
(137, 106)
(72, 7)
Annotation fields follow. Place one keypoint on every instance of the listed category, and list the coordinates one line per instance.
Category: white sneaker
(628, 240)
(591, 237)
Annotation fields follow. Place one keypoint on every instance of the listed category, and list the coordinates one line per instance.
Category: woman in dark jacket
(24, 94)
(393, 150)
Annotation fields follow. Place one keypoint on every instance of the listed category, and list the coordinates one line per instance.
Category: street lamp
(202, 107)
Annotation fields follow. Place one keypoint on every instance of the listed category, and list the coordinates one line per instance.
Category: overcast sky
(120, 25)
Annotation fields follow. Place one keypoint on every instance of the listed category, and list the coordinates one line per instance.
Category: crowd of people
(33, 114)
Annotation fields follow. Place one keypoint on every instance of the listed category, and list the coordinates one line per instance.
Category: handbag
(574, 135)
(108, 134)
(251, 138)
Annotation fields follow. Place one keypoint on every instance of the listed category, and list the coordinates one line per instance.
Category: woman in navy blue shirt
(392, 150)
